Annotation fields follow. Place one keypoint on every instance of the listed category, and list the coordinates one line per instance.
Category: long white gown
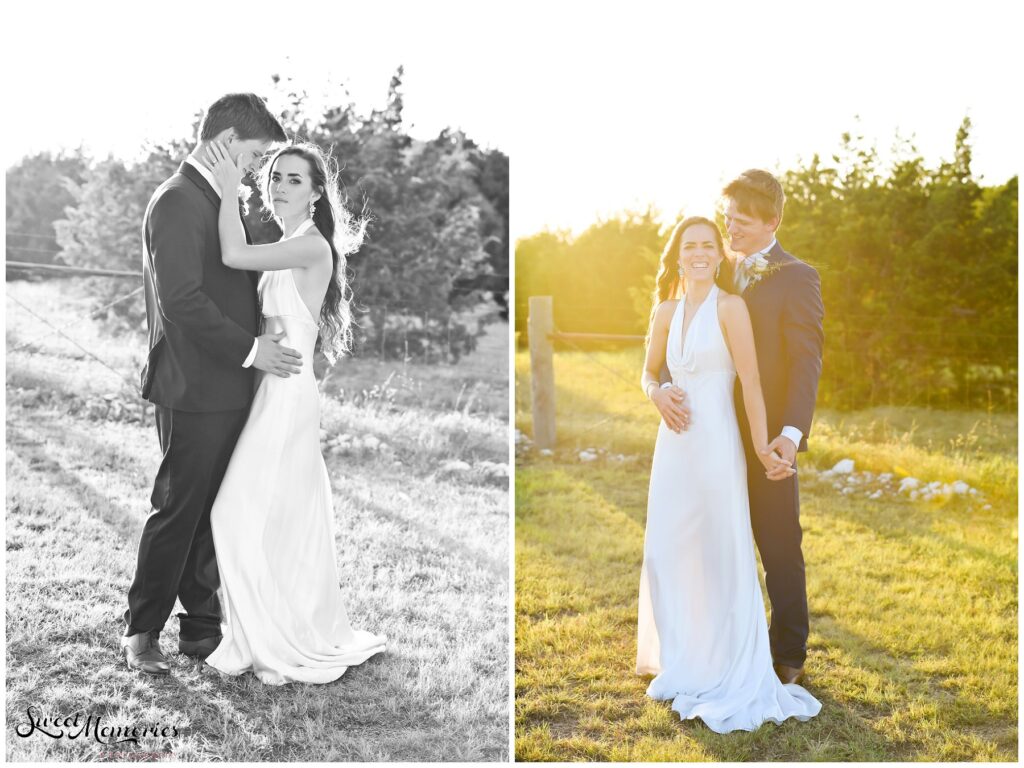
(702, 628)
(273, 525)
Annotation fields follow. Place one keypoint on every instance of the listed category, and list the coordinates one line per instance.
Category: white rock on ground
(588, 456)
(454, 465)
(909, 483)
(960, 487)
(546, 452)
(843, 467)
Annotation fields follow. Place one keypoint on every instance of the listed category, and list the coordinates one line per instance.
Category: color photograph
(766, 263)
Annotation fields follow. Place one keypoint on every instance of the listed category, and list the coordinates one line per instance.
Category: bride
(273, 521)
(702, 628)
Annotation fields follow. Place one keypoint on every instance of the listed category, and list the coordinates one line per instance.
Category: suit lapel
(776, 259)
(190, 173)
(776, 255)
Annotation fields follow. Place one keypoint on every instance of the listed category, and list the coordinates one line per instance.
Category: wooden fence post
(540, 326)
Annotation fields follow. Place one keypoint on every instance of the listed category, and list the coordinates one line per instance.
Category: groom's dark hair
(247, 113)
(757, 193)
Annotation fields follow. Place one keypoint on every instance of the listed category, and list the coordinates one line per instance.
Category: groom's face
(249, 151)
(747, 233)
(246, 151)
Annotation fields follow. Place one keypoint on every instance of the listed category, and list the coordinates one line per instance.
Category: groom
(783, 296)
(203, 348)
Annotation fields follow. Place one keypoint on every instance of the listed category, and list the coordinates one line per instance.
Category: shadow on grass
(884, 724)
(443, 542)
(30, 446)
(63, 650)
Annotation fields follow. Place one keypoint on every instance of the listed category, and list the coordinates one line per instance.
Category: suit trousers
(176, 555)
(775, 520)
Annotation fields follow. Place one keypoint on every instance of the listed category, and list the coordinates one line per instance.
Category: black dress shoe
(199, 649)
(789, 675)
(142, 652)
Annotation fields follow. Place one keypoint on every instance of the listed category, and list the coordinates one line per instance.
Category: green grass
(913, 644)
(422, 555)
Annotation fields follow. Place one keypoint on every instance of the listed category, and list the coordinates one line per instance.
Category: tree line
(437, 242)
(918, 269)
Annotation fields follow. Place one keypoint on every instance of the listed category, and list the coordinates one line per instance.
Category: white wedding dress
(702, 628)
(273, 525)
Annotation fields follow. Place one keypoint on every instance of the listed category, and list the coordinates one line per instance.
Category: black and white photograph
(257, 352)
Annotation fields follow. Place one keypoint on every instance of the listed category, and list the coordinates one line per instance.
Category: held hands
(778, 458)
(275, 358)
(227, 172)
(670, 404)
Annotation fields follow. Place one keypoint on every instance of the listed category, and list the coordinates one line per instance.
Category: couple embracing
(733, 360)
(242, 501)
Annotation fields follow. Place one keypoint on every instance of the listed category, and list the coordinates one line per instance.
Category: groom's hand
(785, 448)
(670, 404)
(276, 358)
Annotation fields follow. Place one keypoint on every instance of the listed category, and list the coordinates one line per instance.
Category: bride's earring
(312, 202)
(718, 270)
(681, 273)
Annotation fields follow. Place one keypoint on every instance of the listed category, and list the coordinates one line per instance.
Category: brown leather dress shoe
(142, 652)
(789, 675)
(199, 649)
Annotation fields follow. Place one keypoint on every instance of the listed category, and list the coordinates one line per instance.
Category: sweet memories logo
(72, 727)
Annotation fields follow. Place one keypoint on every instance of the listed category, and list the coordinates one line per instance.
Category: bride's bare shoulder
(731, 306)
(730, 300)
(663, 313)
(667, 307)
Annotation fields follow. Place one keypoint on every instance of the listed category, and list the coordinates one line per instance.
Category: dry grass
(422, 555)
(913, 646)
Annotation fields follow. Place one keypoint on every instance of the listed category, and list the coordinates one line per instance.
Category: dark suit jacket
(202, 315)
(787, 314)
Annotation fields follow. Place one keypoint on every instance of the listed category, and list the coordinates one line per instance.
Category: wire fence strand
(134, 385)
(96, 313)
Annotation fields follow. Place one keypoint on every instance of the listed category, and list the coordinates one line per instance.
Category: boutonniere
(758, 269)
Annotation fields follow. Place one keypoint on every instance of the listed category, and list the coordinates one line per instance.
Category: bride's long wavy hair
(344, 233)
(668, 284)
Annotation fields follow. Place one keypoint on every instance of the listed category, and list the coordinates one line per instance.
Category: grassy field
(422, 552)
(913, 644)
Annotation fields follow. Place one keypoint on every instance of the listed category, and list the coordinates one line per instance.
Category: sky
(602, 107)
(112, 75)
(661, 103)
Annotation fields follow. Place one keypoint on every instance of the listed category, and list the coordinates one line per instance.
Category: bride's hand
(225, 170)
(772, 462)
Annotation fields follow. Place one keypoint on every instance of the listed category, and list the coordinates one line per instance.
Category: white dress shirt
(792, 433)
(212, 180)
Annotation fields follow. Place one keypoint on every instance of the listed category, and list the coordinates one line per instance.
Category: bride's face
(291, 187)
(698, 253)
